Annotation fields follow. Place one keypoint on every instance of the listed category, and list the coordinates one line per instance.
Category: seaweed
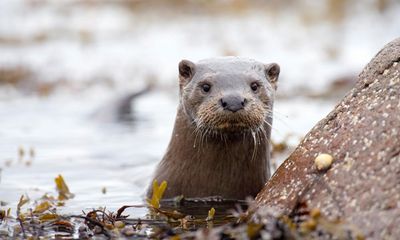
(168, 219)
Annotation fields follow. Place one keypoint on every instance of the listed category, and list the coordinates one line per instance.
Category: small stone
(323, 161)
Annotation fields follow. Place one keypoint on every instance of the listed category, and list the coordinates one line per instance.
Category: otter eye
(206, 87)
(254, 86)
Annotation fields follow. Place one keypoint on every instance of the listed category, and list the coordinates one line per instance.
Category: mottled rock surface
(362, 133)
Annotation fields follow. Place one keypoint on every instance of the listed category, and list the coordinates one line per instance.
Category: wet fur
(214, 152)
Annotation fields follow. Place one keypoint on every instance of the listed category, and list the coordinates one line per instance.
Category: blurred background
(65, 67)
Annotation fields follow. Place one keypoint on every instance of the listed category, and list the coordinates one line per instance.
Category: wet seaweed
(169, 218)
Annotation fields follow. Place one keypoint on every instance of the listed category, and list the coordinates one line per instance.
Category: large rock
(362, 133)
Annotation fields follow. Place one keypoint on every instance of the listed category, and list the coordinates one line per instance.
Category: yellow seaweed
(158, 192)
(48, 217)
(42, 207)
(62, 189)
(211, 214)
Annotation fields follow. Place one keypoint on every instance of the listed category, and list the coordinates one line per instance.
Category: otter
(220, 141)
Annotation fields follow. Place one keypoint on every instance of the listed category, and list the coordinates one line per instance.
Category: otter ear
(272, 71)
(186, 72)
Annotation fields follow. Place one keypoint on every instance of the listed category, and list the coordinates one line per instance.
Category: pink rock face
(362, 133)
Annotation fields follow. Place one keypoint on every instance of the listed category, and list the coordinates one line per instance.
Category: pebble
(323, 161)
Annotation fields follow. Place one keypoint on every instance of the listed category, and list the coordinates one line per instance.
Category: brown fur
(213, 151)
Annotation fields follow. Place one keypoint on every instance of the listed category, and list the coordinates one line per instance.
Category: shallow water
(93, 154)
(90, 154)
(95, 54)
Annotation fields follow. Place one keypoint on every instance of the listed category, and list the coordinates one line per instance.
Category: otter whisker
(196, 133)
(205, 135)
(276, 112)
(280, 117)
(260, 135)
(265, 135)
(253, 134)
(202, 135)
(201, 130)
(269, 124)
(197, 130)
(226, 144)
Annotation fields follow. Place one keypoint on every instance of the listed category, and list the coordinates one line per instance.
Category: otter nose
(233, 103)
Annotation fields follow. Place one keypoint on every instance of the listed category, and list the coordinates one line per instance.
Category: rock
(362, 134)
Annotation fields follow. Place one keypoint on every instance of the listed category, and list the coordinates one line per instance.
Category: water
(93, 154)
(90, 154)
(81, 57)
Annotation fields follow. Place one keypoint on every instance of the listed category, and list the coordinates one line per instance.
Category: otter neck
(224, 163)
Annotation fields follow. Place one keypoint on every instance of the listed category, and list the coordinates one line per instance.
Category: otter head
(227, 95)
